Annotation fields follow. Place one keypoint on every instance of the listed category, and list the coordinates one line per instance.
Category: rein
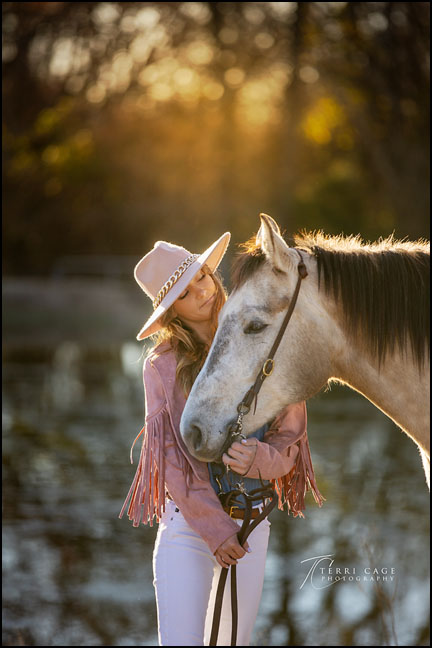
(246, 529)
(263, 493)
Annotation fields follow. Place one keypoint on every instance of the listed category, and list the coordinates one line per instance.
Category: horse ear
(265, 218)
(271, 242)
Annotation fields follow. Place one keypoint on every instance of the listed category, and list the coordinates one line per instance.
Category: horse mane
(383, 286)
(246, 263)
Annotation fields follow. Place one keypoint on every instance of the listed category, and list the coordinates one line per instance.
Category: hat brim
(212, 257)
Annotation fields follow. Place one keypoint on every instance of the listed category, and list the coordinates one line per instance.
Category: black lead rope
(263, 493)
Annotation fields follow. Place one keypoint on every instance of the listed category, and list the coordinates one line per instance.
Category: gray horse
(367, 327)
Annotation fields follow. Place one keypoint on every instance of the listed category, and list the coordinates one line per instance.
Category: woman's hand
(230, 551)
(239, 457)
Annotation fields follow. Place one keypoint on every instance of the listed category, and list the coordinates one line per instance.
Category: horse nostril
(195, 437)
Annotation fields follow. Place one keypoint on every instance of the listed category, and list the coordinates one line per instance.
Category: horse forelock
(246, 263)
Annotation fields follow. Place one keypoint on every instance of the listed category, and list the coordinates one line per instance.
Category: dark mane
(383, 287)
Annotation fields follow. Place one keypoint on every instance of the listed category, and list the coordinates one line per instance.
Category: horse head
(264, 281)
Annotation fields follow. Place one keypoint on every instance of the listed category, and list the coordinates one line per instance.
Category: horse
(361, 319)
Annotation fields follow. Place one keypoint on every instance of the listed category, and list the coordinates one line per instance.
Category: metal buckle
(264, 369)
(242, 409)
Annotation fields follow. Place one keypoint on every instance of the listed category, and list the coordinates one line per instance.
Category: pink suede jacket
(166, 466)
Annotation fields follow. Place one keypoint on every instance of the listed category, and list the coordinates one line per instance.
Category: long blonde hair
(189, 349)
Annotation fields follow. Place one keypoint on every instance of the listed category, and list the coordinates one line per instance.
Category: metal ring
(242, 408)
(264, 369)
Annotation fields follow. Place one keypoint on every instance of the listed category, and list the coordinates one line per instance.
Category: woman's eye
(187, 291)
(255, 327)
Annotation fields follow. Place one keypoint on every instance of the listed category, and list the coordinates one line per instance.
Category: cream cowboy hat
(166, 271)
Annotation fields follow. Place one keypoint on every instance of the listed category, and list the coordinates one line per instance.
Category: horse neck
(397, 388)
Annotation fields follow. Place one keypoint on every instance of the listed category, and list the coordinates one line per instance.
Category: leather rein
(263, 493)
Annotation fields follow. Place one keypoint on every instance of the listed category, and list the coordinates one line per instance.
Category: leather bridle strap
(268, 365)
(235, 430)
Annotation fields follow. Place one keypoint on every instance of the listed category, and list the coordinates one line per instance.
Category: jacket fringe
(147, 491)
(291, 488)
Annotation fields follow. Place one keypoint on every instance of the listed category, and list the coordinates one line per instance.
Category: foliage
(125, 123)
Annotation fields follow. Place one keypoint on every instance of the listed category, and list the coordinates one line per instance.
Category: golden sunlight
(322, 119)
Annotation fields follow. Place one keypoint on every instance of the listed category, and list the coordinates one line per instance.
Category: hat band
(173, 279)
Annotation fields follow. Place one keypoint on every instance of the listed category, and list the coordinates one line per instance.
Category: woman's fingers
(224, 559)
(231, 460)
(233, 548)
(242, 450)
(240, 466)
(222, 563)
(236, 452)
(231, 551)
(230, 457)
(233, 555)
(240, 453)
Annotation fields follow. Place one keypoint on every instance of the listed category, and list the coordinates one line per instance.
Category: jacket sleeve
(165, 466)
(276, 455)
(291, 473)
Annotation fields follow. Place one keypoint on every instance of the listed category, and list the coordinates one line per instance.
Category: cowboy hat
(165, 272)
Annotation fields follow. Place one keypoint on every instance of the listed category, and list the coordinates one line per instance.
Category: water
(74, 574)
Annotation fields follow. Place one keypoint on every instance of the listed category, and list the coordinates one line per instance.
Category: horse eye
(255, 327)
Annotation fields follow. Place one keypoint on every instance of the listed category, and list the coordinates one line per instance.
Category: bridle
(266, 492)
(244, 406)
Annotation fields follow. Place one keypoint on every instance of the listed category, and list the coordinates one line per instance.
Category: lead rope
(265, 492)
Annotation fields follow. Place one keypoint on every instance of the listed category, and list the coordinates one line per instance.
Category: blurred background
(125, 123)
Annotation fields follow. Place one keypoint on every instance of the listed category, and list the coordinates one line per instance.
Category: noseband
(243, 408)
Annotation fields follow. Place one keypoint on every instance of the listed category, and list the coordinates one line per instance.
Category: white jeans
(186, 575)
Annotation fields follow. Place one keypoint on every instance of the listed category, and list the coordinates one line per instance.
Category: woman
(196, 535)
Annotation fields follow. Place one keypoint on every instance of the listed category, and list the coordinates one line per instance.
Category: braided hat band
(173, 279)
(169, 260)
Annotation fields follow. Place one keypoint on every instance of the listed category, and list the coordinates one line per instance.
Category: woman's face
(196, 302)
